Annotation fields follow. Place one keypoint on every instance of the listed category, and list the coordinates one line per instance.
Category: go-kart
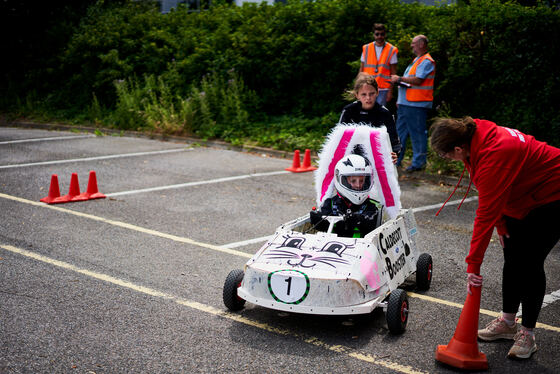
(302, 270)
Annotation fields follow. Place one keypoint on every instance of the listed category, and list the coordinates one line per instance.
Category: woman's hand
(394, 157)
(473, 280)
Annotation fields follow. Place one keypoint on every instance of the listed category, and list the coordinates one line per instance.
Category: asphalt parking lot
(133, 282)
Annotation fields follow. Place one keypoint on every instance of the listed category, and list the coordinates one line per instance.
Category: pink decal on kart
(369, 269)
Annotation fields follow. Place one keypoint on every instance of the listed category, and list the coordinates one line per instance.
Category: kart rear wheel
(424, 268)
(397, 311)
(232, 283)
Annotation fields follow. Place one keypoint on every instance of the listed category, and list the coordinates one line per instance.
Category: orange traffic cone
(462, 351)
(92, 191)
(307, 162)
(54, 191)
(295, 164)
(73, 193)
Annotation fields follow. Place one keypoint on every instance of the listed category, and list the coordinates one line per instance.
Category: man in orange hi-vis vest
(416, 93)
(379, 59)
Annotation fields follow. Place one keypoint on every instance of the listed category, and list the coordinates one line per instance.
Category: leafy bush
(215, 109)
(494, 60)
(498, 63)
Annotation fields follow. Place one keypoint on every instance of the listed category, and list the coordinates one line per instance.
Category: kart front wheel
(232, 283)
(397, 311)
(424, 267)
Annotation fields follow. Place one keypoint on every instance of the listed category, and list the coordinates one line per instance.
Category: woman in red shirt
(518, 181)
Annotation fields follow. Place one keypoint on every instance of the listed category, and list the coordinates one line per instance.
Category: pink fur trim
(380, 168)
(338, 154)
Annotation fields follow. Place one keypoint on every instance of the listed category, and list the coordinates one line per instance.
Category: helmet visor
(356, 182)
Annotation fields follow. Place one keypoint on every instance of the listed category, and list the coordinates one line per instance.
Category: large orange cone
(462, 351)
(295, 164)
(54, 191)
(307, 162)
(92, 191)
(73, 193)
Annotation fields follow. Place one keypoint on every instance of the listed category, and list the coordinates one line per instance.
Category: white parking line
(247, 242)
(415, 210)
(437, 206)
(46, 139)
(222, 248)
(129, 226)
(95, 158)
(190, 184)
(340, 349)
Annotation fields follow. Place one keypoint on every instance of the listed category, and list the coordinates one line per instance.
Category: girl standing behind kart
(518, 182)
(367, 111)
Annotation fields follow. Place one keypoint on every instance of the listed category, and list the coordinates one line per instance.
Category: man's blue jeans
(412, 121)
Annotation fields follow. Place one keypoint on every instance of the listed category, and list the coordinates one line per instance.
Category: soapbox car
(302, 270)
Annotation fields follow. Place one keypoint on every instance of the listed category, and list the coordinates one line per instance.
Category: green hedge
(494, 60)
(499, 62)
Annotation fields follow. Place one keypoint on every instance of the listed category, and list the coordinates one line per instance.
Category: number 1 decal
(289, 281)
(288, 286)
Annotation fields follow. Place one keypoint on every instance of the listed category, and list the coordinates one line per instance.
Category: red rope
(463, 173)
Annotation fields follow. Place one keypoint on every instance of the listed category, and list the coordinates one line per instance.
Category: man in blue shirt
(416, 90)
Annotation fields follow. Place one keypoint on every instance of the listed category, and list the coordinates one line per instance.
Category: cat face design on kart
(297, 255)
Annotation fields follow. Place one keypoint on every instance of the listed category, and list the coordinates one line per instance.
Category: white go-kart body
(305, 271)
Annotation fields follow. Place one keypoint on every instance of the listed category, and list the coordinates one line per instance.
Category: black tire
(233, 281)
(397, 311)
(424, 268)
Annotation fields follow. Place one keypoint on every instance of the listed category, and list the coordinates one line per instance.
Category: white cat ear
(376, 147)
